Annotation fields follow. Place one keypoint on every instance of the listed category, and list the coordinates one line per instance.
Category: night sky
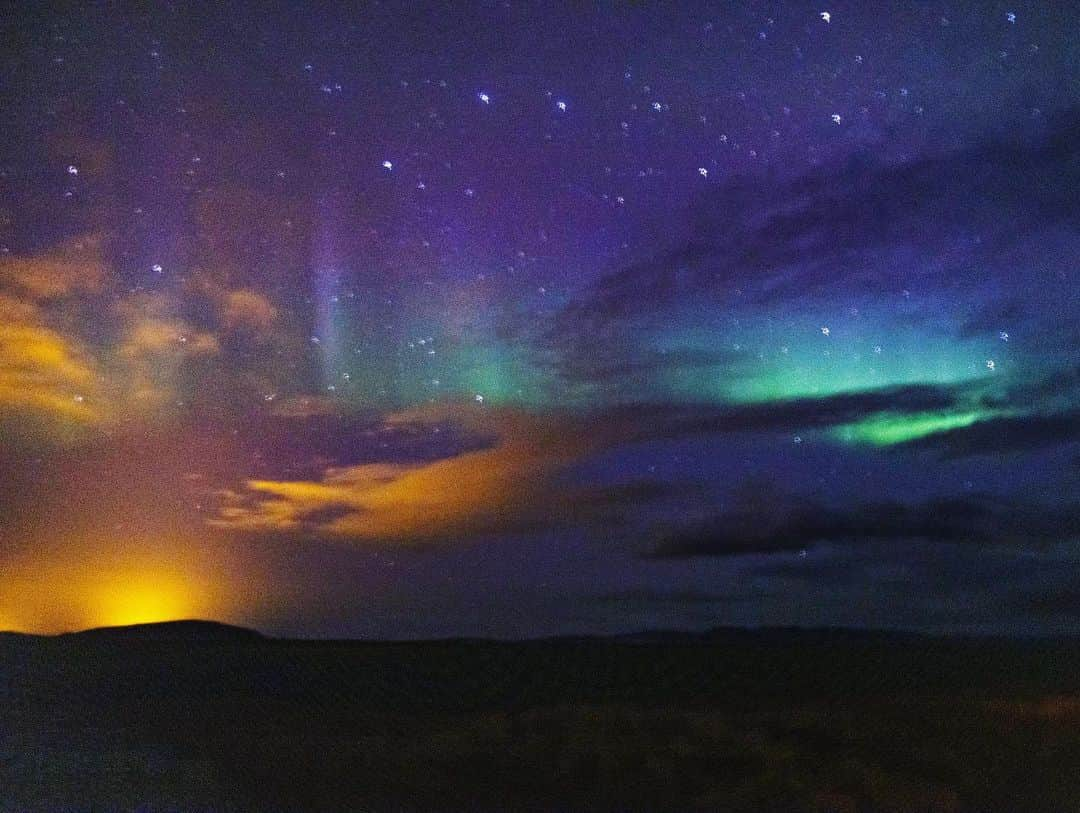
(517, 319)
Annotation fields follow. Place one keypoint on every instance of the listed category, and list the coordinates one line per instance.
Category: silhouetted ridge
(7, 635)
(170, 631)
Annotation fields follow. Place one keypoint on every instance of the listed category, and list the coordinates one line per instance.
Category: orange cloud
(155, 346)
(72, 267)
(151, 336)
(51, 370)
(474, 492)
(43, 372)
(245, 309)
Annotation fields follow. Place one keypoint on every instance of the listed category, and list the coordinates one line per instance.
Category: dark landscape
(202, 717)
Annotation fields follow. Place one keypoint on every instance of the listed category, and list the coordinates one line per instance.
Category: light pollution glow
(82, 585)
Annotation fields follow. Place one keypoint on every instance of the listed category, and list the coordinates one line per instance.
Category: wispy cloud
(78, 349)
(491, 489)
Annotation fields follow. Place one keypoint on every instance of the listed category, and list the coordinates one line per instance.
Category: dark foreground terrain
(199, 717)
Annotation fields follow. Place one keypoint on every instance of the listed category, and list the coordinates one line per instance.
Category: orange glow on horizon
(144, 599)
(76, 590)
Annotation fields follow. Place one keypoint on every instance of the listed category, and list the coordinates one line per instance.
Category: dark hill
(6, 636)
(189, 630)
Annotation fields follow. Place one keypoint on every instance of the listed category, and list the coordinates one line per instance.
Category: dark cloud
(648, 596)
(767, 523)
(1002, 435)
(1047, 419)
(306, 445)
(1062, 382)
(851, 229)
(778, 240)
(665, 421)
(635, 492)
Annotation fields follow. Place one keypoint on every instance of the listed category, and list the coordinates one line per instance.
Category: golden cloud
(51, 369)
(245, 309)
(149, 360)
(473, 492)
(73, 267)
(43, 372)
(153, 336)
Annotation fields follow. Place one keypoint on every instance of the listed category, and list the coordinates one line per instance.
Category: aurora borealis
(515, 319)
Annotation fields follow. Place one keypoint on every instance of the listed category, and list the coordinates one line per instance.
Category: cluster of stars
(630, 121)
